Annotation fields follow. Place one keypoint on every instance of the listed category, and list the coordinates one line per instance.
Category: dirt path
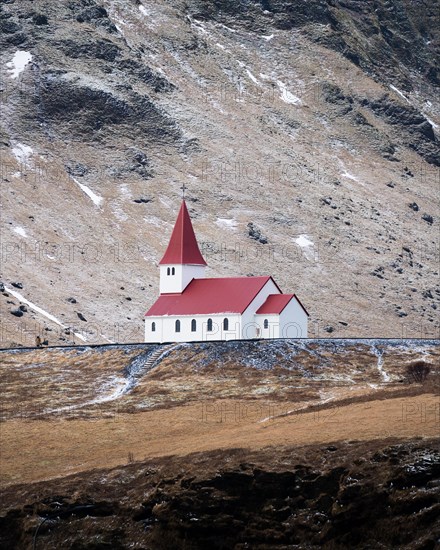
(41, 449)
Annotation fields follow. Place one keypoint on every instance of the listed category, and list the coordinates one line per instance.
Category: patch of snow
(293, 411)
(115, 20)
(306, 245)
(97, 200)
(431, 122)
(40, 311)
(349, 176)
(222, 47)
(379, 354)
(400, 93)
(22, 152)
(224, 222)
(346, 174)
(225, 27)
(252, 77)
(18, 63)
(125, 191)
(287, 96)
(121, 386)
(326, 396)
(165, 202)
(157, 222)
(323, 121)
(264, 76)
(143, 10)
(185, 66)
(119, 213)
(21, 231)
(199, 27)
(303, 241)
(268, 37)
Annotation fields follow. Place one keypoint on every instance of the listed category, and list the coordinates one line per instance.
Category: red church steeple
(183, 248)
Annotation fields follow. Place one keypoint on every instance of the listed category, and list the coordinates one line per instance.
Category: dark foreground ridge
(378, 494)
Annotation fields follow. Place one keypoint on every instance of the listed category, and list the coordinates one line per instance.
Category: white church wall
(218, 331)
(249, 328)
(166, 328)
(155, 336)
(175, 281)
(293, 321)
(273, 325)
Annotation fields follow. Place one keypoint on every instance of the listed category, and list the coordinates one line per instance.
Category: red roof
(210, 296)
(275, 303)
(183, 247)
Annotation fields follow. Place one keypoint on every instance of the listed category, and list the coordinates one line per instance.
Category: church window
(173, 271)
(168, 270)
(177, 325)
(193, 325)
(266, 323)
(153, 327)
(209, 325)
(225, 324)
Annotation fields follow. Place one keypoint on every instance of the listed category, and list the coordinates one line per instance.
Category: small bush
(417, 371)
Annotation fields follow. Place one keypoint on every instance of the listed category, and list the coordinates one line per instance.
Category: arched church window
(266, 323)
(168, 270)
(173, 271)
(225, 324)
(209, 325)
(177, 325)
(193, 325)
(153, 327)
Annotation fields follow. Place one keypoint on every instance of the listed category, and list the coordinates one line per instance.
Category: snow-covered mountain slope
(316, 123)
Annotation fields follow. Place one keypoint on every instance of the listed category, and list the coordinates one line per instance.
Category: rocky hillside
(306, 132)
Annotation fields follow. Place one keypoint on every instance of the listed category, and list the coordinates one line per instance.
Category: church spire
(183, 248)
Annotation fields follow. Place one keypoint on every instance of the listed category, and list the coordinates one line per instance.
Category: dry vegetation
(224, 445)
(70, 410)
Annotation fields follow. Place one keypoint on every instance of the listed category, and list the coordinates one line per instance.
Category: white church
(192, 307)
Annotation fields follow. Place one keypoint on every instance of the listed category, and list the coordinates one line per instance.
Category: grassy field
(68, 411)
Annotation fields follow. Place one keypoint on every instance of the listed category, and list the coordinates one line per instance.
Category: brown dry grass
(201, 399)
(37, 450)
